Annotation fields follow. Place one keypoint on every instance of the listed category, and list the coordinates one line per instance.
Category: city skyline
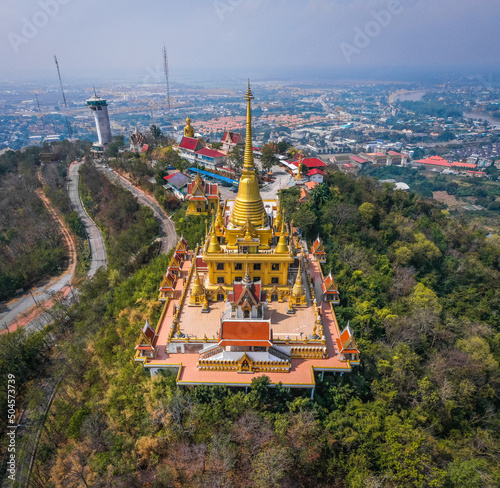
(287, 39)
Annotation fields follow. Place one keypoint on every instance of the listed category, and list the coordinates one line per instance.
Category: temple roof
(329, 285)
(245, 333)
(346, 342)
(190, 143)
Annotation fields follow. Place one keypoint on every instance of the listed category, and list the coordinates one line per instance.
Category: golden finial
(247, 280)
(248, 94)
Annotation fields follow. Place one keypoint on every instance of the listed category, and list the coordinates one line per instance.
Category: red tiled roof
(211, 153)
(394, 153)
(234, 332)
(316, 171)
(329, 285)
(310, 184)
(463, 165)
(303, 195)
(233, 136)
(359, 160)
(316, 245)
(170, 176)
(435, 160)
(189, 143)
(313, 163)
(239, 287)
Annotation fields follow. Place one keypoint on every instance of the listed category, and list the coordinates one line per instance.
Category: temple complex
(251, 300)
(203, 198)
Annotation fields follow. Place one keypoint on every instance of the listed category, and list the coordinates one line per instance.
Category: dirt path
(32, 304)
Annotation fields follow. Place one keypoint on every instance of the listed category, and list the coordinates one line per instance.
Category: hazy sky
(239, 38)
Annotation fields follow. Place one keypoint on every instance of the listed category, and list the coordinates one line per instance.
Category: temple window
(238, 266)
(220, 266)
(220, 279)
(256, 267)
(256, 278)
(220, 297)
(275, 280)
(246, 314)
(275, 266)
(238, 278)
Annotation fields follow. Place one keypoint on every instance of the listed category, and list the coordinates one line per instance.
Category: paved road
(168, 236)
(96, 241)
(20, 311)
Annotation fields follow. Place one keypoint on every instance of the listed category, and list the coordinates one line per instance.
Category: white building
(99, 108)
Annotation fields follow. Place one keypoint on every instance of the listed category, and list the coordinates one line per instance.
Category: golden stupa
(248, 204)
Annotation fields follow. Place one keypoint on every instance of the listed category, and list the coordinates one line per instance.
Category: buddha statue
(188, 130)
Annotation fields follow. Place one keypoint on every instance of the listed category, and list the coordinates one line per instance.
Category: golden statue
(188, 130)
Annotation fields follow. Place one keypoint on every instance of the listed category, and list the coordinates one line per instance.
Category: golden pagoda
(256, 310)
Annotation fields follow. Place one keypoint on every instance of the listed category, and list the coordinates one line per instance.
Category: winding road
(25, 311)
(96, 242)
(30, 422)
(168, 236)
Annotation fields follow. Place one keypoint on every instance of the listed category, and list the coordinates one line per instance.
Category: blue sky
(240, 38)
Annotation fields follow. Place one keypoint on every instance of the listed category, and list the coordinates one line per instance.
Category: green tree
(320, 194)
(268, 159)
(235, 157)
(367, 211)
(156, 133)
(117, 143)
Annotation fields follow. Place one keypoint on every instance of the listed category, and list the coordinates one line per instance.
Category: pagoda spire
(282, 246)
(298, 288)
(248, 204)
(213, 245)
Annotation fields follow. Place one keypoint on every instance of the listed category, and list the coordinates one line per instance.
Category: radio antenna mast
(40, 111)
(165, 68)
(64, 98)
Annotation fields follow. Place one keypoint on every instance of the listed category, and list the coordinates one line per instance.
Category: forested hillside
(31, 247)
(420, 290)
(127, 227)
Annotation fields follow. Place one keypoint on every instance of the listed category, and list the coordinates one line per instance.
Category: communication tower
(99, 108)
